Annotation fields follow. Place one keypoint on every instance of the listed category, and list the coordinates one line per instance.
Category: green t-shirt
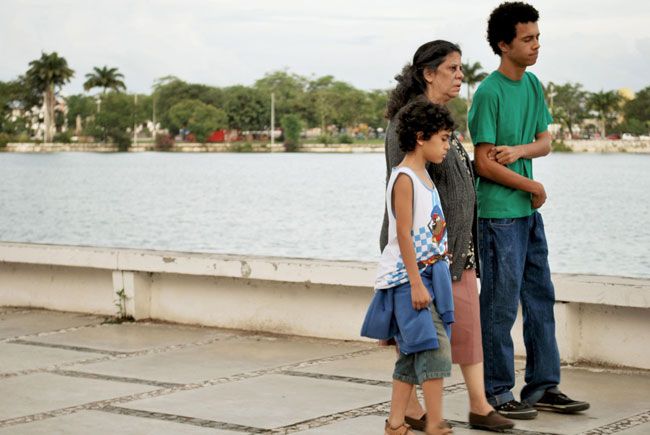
(507, 112)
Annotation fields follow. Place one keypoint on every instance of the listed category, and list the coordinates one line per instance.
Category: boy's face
(524, 48)
(436, 147)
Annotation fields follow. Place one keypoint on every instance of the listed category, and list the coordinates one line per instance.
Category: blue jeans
(514, 268)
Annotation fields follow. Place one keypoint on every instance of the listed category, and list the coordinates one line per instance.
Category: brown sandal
(417, 424)
(403, 429)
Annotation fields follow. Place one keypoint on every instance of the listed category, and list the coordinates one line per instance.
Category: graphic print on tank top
(429, 242)
(436, 228)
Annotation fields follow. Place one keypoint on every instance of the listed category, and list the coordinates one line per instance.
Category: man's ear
(419, 138)
(503, 47)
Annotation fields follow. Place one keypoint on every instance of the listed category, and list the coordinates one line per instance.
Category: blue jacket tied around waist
(391, 313)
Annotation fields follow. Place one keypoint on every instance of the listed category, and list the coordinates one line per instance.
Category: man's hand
(420, 296)
(492, 153)
(538, 196)
(507, 154)
(489, 168)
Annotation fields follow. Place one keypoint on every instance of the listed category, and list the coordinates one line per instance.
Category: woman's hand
(420, 296)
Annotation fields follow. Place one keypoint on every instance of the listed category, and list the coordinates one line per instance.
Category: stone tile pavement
(68, 373)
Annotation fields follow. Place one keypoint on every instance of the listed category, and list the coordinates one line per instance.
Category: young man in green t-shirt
(508, 122)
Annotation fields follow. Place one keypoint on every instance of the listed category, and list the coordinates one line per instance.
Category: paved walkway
(67, 373)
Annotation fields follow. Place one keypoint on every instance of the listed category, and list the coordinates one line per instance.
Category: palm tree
(105, 78)
(473, 75)
(45, 74)
(606, 104)
(567, 103)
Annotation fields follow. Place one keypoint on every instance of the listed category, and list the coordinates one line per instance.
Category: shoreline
(578, 146)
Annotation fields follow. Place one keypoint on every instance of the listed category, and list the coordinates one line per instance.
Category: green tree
(473, 75)
(80, 107)
(349, 104)
(637, 110)
(290, 92)
(247, 108)
(200, 118)
(143, 110)
(45, 75)
(633, 126)
(170, 90)
(567, 103)
(9, 98)
(105, 78)
(112, 123)
(27, 95)
(291, 128)
(321, 102)
(336, 102)
(375, 108)
(607, 106)
(13, 127)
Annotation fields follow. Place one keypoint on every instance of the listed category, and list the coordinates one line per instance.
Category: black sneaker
(554, 400)
(516, 410)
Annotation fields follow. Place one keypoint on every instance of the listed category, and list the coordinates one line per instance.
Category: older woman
(436, 74)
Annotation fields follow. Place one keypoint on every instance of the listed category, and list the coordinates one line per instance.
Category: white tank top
(428, 232)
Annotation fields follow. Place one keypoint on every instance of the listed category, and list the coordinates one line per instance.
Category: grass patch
(560, 147)
(245, 147)
(331, 140)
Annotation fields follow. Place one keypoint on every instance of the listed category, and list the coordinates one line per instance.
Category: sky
(604, 45)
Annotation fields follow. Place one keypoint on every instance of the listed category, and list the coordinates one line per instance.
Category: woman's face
(444, 83)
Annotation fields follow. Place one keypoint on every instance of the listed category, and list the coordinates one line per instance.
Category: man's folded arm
(494, 171)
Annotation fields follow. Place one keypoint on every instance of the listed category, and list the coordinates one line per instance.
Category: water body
(298, 205)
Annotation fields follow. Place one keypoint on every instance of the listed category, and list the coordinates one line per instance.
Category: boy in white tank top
(413, 301)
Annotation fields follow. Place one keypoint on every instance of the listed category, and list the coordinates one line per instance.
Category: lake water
(298, 205)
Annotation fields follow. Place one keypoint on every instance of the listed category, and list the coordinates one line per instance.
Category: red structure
(217, 136)
(224, 136)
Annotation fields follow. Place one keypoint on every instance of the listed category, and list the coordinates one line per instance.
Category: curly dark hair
(502, 24)
(410, 82)
(421, 116)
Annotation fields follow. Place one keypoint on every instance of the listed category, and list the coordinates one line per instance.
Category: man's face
(524, 48)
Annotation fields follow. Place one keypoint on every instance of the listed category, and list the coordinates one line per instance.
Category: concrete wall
(31, 147)
(599, 146)
(610, 146)
(342, 148)
(192, 147)
(598, 319)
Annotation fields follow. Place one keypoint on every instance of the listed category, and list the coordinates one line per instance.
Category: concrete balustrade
(640, 146)
(599, 319)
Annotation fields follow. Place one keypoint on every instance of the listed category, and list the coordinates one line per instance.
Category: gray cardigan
(456, 189)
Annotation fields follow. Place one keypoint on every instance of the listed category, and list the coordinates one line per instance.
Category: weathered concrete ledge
(610, 146)
(32, 147)
(341, 148)
(599, 319)
(192, 147)
(187, 147)
(594, 146)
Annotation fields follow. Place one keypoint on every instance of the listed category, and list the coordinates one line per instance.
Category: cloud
(365, 43)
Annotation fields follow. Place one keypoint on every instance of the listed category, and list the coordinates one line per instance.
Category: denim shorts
(418, 367)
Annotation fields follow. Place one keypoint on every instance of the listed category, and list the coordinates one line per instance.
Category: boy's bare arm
(403, 202)
(510, 154)
(492, 170)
